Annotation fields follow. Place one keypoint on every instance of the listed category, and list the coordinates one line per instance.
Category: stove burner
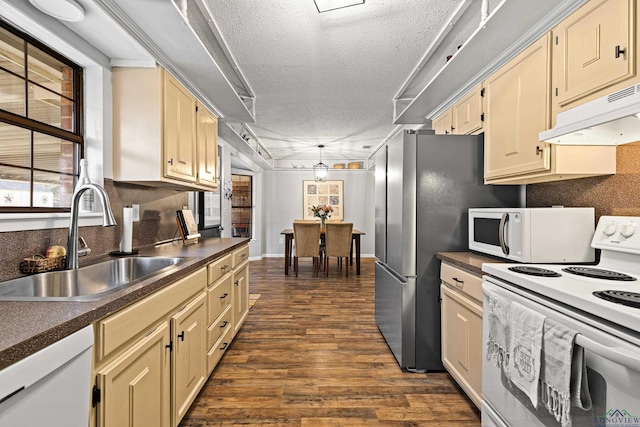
(631, 299)
(535, 271)
(598, 273)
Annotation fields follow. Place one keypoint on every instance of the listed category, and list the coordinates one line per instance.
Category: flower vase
(322, 222)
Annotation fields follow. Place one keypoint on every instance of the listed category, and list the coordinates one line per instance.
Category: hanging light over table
(320, 170)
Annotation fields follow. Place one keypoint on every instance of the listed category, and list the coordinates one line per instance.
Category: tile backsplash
(157, 222)
(617, 194)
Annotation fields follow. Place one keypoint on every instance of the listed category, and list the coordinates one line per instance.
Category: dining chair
(332, 221)
(307, 238)
(338, 243)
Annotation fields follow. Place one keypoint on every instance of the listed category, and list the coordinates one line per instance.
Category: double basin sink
(85, 283)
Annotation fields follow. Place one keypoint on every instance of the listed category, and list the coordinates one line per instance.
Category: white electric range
(602, 303)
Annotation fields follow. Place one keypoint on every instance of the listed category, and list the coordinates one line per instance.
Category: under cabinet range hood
(613, 119)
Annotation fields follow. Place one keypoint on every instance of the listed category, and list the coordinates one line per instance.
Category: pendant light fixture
(320, 170)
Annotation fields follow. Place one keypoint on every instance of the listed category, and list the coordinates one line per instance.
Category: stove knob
(610, 229)
(627, 230)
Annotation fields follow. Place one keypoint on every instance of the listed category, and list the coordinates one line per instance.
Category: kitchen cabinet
(442, 123)
(464, 117)
(461, 312)
(467, 114)
(517, 109)
(594, 49)
(219, 311)
(150, 357)
(189, 355)
(162, 135)
(240, 286)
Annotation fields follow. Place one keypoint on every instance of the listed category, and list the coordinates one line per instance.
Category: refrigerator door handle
(504, 222)
(395, 274)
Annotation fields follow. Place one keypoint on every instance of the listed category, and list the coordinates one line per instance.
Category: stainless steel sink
(86, 283)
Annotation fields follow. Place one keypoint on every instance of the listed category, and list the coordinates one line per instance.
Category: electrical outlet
(136, 213)
(281, 240)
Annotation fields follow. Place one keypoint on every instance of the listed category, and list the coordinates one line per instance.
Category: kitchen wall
(617, 194)
(282, 200)
(157, 222)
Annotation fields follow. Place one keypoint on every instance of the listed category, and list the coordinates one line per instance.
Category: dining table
(288, 247)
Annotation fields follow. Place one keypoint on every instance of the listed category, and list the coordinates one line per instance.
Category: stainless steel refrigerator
(425, 184)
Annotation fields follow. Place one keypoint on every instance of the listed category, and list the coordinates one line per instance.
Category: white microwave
(533, 235)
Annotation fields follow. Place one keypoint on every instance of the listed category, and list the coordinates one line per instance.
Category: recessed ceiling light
(327, 5)
(64, 10)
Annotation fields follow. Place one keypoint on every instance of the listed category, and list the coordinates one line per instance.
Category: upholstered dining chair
(306, 236)
(337, 240)
(327, 221)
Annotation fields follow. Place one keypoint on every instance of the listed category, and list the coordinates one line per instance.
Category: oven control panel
(618, 233)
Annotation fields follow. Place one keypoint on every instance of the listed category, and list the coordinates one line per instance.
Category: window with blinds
(41, 138)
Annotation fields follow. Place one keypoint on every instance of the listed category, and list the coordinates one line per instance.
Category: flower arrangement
(323, 212)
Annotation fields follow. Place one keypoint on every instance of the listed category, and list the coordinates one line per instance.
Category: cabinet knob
(620, 51)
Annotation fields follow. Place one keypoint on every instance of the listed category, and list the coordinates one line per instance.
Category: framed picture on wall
(323, 193)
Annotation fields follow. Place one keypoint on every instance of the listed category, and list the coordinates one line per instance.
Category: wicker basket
(40, 264)
(354, 165)
(338, 165)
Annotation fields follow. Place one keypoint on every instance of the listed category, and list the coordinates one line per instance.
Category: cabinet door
(593, 49)
(189, 355)
(135, 387)
(517, 109)
(240, 295)
(179, 131)
(442, 123)
(467, 113)
(207, 134)
(462, 341)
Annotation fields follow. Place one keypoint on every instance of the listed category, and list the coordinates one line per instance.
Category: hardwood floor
(310, 354)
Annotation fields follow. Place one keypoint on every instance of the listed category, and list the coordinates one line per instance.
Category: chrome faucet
(107, 220)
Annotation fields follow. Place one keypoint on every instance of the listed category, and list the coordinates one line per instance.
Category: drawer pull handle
(224, 267)
(458, 281)
(224, 296)
(224, 347)
(236, 282)
(182, 162)
(224, 325)
(181, 336)
(243, 256)
(620, 51)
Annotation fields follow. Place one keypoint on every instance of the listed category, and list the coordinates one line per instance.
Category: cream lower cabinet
(240, 286)
(461, 311)
(150, 357)
(188, 328)
(220, 328)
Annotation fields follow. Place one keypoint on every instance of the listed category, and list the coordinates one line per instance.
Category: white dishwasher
(51, 387)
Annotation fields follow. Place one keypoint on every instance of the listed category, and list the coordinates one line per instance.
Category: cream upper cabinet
(157, 128)
(517, 109)
(188, 328)
(593, 49)
(135, 387)
(442, 123)
(179, 127)
(466, 113)
(207, 137)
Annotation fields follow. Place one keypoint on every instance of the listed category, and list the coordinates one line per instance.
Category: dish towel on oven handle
(497, 312)
(525, 349)
(563, 373)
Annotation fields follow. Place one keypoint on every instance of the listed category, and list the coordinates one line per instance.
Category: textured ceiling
(327, 78)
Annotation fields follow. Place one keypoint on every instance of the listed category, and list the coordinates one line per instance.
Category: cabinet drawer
(215, 353)
(115, 330)
(465, 282)
(219, 327)
(240, 256)
(219, 297)
(219, 268)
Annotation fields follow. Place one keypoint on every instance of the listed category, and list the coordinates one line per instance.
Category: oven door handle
(615, 354)
(504, 221)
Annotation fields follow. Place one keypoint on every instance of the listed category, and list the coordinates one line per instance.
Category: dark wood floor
(310, 354)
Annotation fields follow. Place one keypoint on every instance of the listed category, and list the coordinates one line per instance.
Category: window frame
(76, 136)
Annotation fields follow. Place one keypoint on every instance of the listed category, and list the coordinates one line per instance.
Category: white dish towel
(563, 373)
(525, 349)
(496, 309)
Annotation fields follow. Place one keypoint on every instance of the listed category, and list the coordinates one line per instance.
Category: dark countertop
(470, 261)
(29, 326)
